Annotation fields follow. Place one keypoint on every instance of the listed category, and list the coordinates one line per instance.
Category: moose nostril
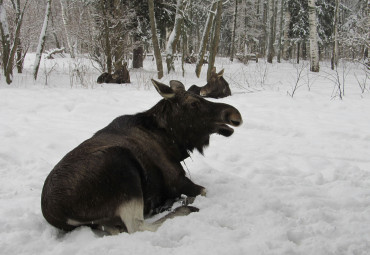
(235, 122)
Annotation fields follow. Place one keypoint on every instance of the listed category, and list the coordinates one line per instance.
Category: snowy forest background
(293, 179)
(110, 31)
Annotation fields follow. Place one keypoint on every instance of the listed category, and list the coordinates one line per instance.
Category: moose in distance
(216, 87)
(132, 168)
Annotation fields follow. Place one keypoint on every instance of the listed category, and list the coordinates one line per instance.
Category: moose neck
(159, 118)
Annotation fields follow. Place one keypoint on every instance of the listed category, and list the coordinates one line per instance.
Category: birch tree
(41, 44)
(157, 51)
(314, 47)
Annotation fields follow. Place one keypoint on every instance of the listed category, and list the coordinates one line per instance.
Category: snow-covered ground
(293, 179)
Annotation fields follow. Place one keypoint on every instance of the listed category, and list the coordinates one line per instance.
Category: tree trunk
(233, 32)
(298, 51)
(138, 57)
(174, 37)
(334, 56)
(157, 51)
(280, 31)
(216, 40)
(270, 43)
(314, 47)
(41, 44)
(65, 25)
(204, 41)
(286, 34)
(8, 52)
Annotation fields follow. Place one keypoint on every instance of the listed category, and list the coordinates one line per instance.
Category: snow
(293, 179)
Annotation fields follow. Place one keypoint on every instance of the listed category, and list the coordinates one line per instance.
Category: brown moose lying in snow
(131, 168)
(216, 87)
(120, 75)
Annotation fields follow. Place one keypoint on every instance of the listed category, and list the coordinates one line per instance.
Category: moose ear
(165, 91)
(220, 73)
(177, 86)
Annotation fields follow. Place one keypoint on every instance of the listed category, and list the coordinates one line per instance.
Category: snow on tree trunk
(280, 31)
(270, 42)
(286, 34)
(65, 24)
(204, 41)
(215, 40)
(233, 32)
(314, 47)
(174, 37)
(5, 40)
(8, 50)
(41, 44)
(157, 51)
(334, 57)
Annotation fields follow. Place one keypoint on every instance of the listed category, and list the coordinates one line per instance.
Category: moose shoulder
(132, 167)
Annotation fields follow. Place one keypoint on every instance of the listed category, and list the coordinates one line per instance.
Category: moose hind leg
(132, 215)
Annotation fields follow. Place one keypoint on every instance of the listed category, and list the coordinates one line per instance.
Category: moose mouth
(224, 130)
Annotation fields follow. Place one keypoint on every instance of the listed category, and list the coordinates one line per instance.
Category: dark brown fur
(120, 75)
(134, 158)
(216, 87)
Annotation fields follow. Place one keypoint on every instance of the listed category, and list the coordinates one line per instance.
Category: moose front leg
(187, 187)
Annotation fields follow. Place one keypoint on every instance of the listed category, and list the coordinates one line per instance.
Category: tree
(174, 36)
(204, 41)
(215, 39)
(9, 49)
(157, 51)
(314, 47)
(280, 31)
(234, 30)
(334, 57)
(41, 44)
(270, 42)
(63, 5)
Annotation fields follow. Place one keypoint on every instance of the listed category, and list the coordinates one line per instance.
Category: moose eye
(194, 104)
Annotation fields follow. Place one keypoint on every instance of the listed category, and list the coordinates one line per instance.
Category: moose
(132, 167)
(120, 75)
(216, 87)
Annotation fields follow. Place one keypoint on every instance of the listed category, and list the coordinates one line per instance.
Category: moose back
(130, 168)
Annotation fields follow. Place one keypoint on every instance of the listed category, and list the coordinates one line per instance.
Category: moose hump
(132, 168)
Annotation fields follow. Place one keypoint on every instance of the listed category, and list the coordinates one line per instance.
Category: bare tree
(9, 49)
(204, 41)
(63, 5)
(174, 36)
(270, 41)
(334, 57)
(215, 40)
(286, 34)
(234, 30)
(280, 31)
(41, 44)
(157, 51)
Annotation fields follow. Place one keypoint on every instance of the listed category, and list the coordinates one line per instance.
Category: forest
(292, 178)
(109, 32)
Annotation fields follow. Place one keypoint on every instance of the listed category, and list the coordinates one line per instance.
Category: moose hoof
(203, 192)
